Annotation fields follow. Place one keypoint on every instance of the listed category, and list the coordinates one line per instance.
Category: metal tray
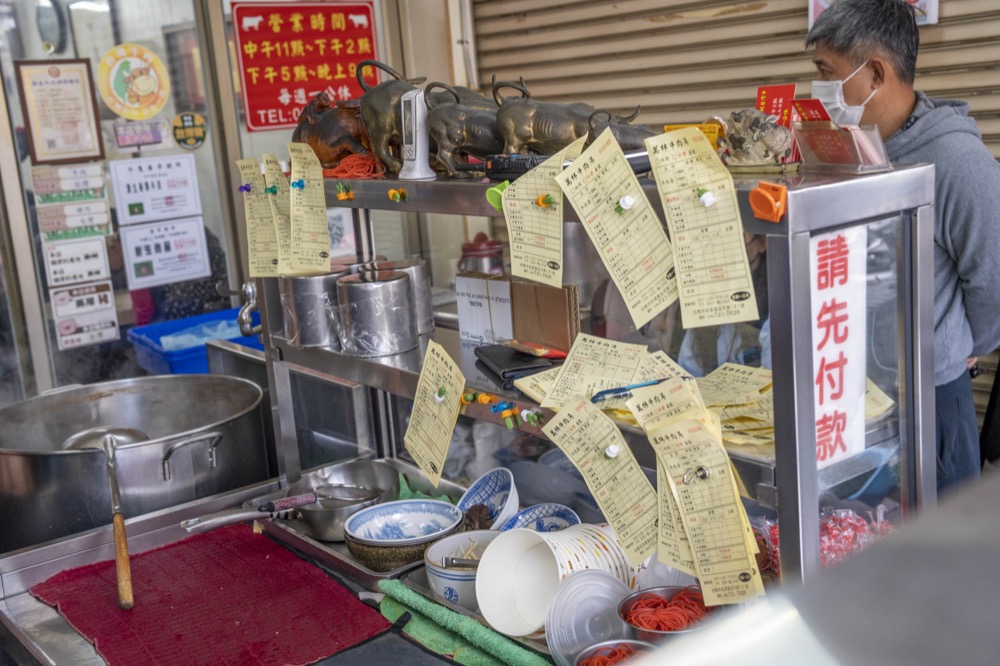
(335, 555)
(416, 580)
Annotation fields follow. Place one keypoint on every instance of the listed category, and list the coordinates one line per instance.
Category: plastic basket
(190, 360)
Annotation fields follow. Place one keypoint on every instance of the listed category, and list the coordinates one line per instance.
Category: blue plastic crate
(190, 360)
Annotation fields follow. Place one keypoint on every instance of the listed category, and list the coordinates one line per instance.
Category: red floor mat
(227, 597)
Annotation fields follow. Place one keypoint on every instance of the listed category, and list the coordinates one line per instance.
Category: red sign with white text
(290, 52)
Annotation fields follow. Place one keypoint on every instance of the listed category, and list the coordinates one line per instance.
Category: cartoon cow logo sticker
(133, 82)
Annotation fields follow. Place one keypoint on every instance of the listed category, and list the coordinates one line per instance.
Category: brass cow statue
(542, 127)
(381, 114)
(629, 137)
(457, 128)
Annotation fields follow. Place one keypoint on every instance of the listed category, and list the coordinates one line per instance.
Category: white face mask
(831, 93)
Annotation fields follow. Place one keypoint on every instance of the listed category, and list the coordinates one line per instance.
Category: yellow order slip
(632, 242)
(595, 364)
(538, 385)
(672, 545)
(703, 214)
(435, 411)
(659, 366)
(622, 491)
(749, 438)
(533, 208)
(759, 410)
(877, 402)
(733, 384)
(700, 478)
(262, 238)
(668, 401)
(310, 242)
(277, 196)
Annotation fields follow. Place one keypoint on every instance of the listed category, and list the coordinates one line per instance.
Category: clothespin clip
(397, 195)
(439, 396)
(546, 201)
(271, 190)
(484, 398)
(625, 203)
(298, 184)
(508, 421)
(245, 188)
(707, 198)
(611, 452)
(344, 192)
(467, 398)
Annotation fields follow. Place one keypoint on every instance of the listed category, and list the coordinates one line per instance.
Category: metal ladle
(109, 443)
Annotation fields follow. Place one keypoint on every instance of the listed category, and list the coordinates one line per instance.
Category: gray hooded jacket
(966, 229)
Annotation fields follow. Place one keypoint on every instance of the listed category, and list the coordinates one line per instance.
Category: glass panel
(167, 29)
(860, 496)
(11, 381)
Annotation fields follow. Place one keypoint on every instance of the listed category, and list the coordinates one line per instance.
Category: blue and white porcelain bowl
(495, 489)
(457, 585)
(543, 518)
(403, 522)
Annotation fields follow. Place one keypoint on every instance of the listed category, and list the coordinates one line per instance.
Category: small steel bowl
(652, 635)
(640, 647)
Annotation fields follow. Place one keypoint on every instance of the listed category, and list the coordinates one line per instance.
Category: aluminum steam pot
(376, 311)
(309, 308)
(203, 436)
(420, 288)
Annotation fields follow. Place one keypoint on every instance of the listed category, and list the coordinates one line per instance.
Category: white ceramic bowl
(497, 491)
(403, 522)
(543, 518)
(456, 585)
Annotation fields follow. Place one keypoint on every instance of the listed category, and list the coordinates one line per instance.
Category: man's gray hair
(860, 29)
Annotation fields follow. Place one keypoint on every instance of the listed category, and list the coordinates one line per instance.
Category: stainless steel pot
(205, 437)
(376, 314)
(309, 306)
(420, 288)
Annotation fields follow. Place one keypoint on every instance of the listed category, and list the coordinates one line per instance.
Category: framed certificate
(60, 110)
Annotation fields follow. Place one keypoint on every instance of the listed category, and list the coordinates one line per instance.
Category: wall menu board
(60, 112)
(290, 52)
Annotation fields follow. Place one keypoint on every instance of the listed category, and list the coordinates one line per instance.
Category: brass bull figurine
(629, 137)
(456, 127)
(542, 127)
(381, 114)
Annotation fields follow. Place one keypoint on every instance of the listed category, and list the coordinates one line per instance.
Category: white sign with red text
(838, 271)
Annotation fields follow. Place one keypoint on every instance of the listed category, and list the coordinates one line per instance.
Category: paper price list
(262, 237)
(700, 478)
(310, 240)
(622, 491)
(632, 243)
(713, 273)
(435, 410)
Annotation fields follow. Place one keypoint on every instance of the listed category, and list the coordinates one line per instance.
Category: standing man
(866, 54)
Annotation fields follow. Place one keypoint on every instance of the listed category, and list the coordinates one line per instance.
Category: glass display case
(845, 297)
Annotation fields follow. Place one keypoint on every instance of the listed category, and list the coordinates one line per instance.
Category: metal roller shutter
(686, 61)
